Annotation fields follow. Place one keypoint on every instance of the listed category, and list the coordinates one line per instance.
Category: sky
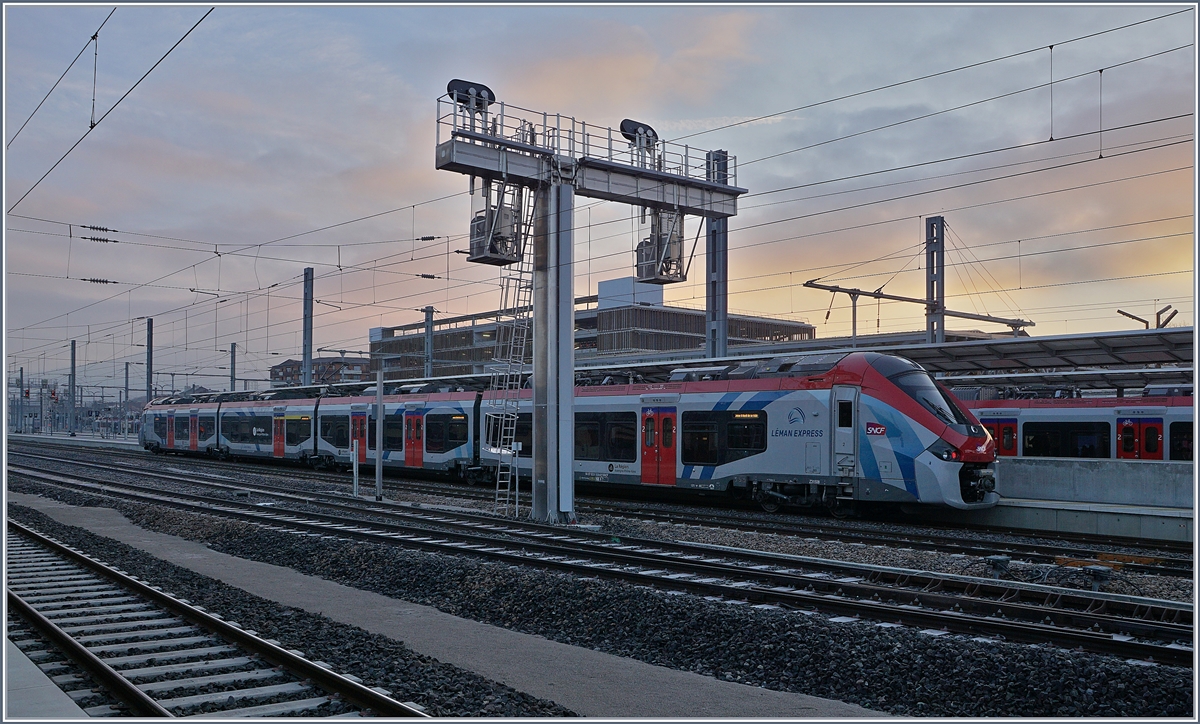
(274, 138)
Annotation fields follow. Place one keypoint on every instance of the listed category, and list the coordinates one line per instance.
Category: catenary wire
(64, 75)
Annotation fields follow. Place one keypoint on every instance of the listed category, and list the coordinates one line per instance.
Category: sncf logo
(874, 428)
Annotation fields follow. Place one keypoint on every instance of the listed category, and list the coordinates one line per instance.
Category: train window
(698, 432)
(746, 435)
(1007, 439)
(587, 436)
(182, 428)
(845, 413)
(254, 430)
(524, 434)
(261, 429)
(231, 428)
(208, 426)
(335, 430)
(1128, 441)
(1152, 437)
(393, 433)
(1067, 439)
(297, 431)
(921, 387)
(445, 432)
(620, 437)
(1181, 440)
(160, 427)
(435, 433)
(456, 431)
(648, 432)
(668, 432)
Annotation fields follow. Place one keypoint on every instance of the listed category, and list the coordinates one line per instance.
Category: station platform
(588, 682)
(80, 440)
(1143, 522)
(30, 694)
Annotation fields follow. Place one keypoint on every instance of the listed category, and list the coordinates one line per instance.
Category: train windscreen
(920, 387)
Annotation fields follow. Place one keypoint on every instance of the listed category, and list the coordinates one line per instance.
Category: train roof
(741, 368)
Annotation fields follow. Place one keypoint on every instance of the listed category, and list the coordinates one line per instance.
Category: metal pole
(149, 359)
(935, 280)
(71, 414)
(125, 406)
(378, 432)
(354, 463)
(233, 366)
(853, 320)
(21, 403)
(428, 341)
(554, 357)
(306, 369)
(716, 264)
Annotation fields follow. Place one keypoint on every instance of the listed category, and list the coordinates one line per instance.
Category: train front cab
(952, 456)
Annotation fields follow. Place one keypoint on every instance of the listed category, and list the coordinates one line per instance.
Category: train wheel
(770, 506)
(842, 511)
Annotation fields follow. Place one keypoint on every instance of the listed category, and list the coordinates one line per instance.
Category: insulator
(99, 228)
(427, 276)
(98, 281)
(100, 239)
(427, 238)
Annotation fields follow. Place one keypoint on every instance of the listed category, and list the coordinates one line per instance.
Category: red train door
(278, 432)
(1127, 438)
(1140, 438)
(659, 445)
(358, 431)
(1152, 438)
(193, 430)
(170, 428)
(414, 439)
(1004, 432)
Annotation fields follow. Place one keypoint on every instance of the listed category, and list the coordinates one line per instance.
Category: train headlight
(946, 451)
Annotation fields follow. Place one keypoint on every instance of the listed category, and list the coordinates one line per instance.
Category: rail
(568, 136)
(330, 681)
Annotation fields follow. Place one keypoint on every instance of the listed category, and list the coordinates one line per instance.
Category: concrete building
(625, 317)
(324, 370)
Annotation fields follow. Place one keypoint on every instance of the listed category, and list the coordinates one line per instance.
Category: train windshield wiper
(937, 410)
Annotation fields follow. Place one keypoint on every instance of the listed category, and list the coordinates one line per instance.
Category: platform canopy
(1107, 360)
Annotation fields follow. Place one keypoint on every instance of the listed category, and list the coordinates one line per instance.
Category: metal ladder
(508, 368)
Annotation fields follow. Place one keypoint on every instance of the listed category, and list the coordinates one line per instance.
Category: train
(1153, 427)
(842, 431)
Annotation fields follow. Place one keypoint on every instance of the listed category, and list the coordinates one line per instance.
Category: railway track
(1059, 549)
(90, 626)
(1127, 626)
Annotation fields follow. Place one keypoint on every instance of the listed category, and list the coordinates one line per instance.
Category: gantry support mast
(935, 291)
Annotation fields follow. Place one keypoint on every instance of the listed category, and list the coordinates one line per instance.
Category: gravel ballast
(892, 669)
(442, 689)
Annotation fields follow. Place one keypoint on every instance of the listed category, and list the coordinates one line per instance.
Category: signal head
(630, 129)
(470, 94)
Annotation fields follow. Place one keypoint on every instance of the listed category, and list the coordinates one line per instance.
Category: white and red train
(835, 430)
(1121, 428)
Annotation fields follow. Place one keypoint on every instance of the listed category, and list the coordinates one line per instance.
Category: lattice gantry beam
(501, 142)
